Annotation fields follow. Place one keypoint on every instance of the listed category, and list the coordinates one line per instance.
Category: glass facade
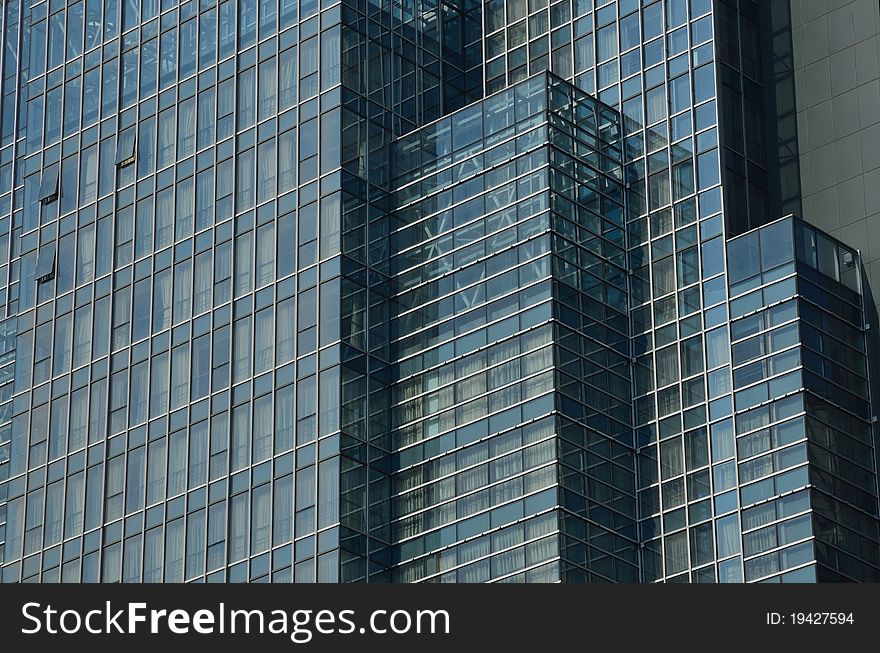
(423, 291)
(180, 229)
(801, 359)
(511, 420)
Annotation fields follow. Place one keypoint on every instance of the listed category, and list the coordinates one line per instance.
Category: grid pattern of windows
(156, 289)
(345, 291)
(175, 412)
(513, 396)
(800, 367)
(655, 61)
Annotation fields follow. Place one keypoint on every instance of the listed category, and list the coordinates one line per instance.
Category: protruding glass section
(805, 449)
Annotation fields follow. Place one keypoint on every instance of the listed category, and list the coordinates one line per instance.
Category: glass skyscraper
(456, 291)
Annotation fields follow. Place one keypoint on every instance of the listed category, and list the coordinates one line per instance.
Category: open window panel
(49, 184)
(125, 147)
(46, 264)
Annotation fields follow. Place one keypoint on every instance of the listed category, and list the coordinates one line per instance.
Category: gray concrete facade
(837, 82)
